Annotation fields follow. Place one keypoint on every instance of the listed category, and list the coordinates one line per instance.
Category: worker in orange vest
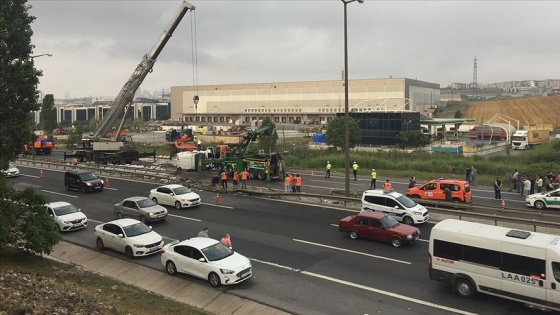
(292, 182)
(244, 176)
(287, 184)
(387, 185)
(224, 180)
(298, 183)
(235, 179)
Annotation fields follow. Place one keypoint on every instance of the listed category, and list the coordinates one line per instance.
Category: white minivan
(399, 206)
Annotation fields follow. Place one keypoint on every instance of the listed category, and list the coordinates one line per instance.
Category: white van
(518, 265)
(399, 206)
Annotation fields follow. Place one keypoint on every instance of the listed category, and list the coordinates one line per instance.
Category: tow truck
(100, 147)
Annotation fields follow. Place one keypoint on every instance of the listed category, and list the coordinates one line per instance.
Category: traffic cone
(218, 201)
(107, 183)
(41, 175)
(503, 204)
(312, 174)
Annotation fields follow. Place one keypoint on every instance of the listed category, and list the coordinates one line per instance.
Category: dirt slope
(531, 110)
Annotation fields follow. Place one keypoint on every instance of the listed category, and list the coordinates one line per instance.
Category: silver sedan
(141, 208)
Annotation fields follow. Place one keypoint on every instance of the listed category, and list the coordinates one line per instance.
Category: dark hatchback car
(378, 226)
(82, 180)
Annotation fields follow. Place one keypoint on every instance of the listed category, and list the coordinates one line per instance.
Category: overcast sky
(97, 44)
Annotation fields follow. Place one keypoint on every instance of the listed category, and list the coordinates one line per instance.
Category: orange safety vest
(244, 175)
(224, 177)
(288, 180)
(298, 181)
(235, 176)
(387, 186)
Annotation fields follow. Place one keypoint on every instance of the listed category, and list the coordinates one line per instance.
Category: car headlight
(102, 182)
(89, 184)
(66, 222)
(417, 212)
(409, 237)
(138, 245)
(226, 271)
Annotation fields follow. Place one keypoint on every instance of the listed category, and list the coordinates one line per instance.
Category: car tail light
(429, 260)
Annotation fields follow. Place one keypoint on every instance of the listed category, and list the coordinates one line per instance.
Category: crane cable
(194, 55)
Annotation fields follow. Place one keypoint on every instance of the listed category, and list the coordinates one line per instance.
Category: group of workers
(292, 183)
(235, 178)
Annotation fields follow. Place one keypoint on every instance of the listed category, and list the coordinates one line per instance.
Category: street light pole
(346, 114)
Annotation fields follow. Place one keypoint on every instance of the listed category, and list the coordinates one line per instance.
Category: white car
(206, 258)
(66, 216)
(175, 195)
(547, 199)
(12, 171)
(129, 236)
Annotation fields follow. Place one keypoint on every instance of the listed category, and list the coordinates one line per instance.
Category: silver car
(142, 208)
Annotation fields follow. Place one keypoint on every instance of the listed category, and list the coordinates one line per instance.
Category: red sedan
(378, 226)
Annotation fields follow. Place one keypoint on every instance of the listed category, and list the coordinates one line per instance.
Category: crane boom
(126, 95)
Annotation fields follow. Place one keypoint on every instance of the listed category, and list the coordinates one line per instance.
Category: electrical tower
(475, 79)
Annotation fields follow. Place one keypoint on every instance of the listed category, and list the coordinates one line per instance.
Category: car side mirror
(202, 260)
(150, 227)
(79, 210)
(170, 194)
(121, 235)
(396, 207)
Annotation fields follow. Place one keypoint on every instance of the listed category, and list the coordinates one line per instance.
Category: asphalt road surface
(302, 263)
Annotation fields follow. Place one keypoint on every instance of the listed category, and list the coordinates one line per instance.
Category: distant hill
(530, 110)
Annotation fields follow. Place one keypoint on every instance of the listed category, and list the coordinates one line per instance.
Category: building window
(276, 119)
(203, 119)
(283, 119)
(228, 118)
(221, 119)
(215, 119)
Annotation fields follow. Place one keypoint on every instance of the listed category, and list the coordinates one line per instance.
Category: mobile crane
(97, 146)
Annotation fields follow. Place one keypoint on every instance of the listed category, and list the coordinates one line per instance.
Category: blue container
(319, 138)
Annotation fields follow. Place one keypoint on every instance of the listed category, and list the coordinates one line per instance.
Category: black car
(83, 181)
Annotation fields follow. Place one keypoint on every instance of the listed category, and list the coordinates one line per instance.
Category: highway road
(302, 263)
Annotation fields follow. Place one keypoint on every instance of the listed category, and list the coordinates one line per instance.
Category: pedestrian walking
(452, 170)
(373, 179)
(509, 180)
(526, 187)
(447, 193)
(288, 184)
(226, 240)
(298, 183)
(533, 184)
(521, 185)
(244, 176)
(203, 233)
(497, 189)
(387, 185)
(412, 182)
(468, 174)
(539, 183)
(224, 179)
(515, 178)
(355, 170)
(474, 172)
(328, 170)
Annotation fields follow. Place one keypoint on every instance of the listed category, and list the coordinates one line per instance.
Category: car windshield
(88, 176)
(406, 202)
(467, 188)
(146, 203)
(217, 251)
(388, 222)
(11, 165)
(181, 190)
(64, 210)
(136, 229)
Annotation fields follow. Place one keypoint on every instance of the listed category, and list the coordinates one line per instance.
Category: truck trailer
(527, 139)
(488, 132)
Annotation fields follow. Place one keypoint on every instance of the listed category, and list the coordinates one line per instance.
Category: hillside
(531, 110)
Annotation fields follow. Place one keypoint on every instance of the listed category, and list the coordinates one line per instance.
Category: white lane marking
(57, 193)
(312, 205)
(33, 176)
(186, 218)
(353, 251)
(214, 205)
(427, 241)
(110, 188)
(363, 287)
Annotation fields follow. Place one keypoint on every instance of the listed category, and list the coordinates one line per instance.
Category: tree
(18, 79)
(335, 132)
(412, 139)
(458, 114)
(48, 115)
(267, 143)
(24, 222)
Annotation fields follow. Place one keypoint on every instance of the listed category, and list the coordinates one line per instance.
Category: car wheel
(214, 279)
(83, 190)
(408, 221)
(178, 205)
(415, 196)
(171, 268)
(67, 187)
(155, 200)
(396, 242)
(354, 235)
(143, 219)
(120, 215)
(464, 288)
(539, 205)
(128, 252)
(57, 227)
(99, 243)
(260, 175)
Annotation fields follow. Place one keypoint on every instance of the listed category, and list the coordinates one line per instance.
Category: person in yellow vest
(224, 179)
(387, 185)
(373, 178)
(328, 172)
(298, 183)
(355, 170)
(288, 184)
(244, 176)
